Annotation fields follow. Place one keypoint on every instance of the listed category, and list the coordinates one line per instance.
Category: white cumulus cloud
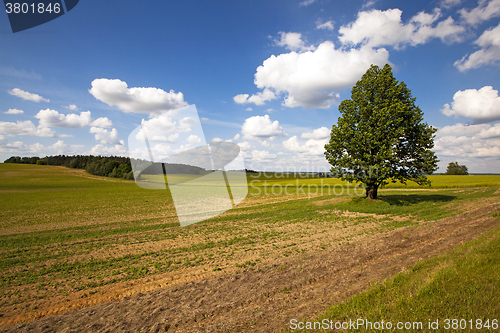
(377, 28)
(244, 145)
(14, 111)
(106, 137)
(309, 78)
(16, 147)
(325, 26)
(164, 128)
(477, 146)
(193, 139)
(52, 118)
(294, 145)
(489, 42)
(484, 11)
(261, 128)
(493, 132)
(37, 149)
(240, 99)
(482, 105)
(116, 150)
(461, 129)
(317, 134)
(292, 41)
(216, 140)
(102, 122)
(262, 156)
(259, 98)
(57, 148)
(310, 147)
(468, 141)
(150, 100)
(26, 128)
(27, 96)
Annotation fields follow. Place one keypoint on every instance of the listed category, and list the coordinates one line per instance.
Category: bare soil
(265, 297)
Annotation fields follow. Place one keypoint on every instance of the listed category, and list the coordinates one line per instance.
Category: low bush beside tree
(456, 169)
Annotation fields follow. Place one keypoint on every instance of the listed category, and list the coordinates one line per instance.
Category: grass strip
(458, 291)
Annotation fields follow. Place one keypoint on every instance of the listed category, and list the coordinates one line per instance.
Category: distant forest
(107, 166)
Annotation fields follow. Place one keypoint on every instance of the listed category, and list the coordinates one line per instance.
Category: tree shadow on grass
(413, 199)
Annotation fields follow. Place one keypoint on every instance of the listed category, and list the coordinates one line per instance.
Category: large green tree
(381, 136)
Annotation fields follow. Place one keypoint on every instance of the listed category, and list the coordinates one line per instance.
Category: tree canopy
(380, 135)
(456, 169)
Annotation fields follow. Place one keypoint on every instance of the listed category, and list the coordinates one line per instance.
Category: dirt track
(266, 298)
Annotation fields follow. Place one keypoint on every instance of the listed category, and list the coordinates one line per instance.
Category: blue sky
(267, 75)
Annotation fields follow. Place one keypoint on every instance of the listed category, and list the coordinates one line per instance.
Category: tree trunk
(371, 191)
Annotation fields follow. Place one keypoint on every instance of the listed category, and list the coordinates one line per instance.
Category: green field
(38, 196)
(68, 238)
(437, 181)
(283, 179)
(41, 197)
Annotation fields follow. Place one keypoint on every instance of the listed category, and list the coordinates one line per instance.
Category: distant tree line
(22, 160)
(169, 168)
(108, 166)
